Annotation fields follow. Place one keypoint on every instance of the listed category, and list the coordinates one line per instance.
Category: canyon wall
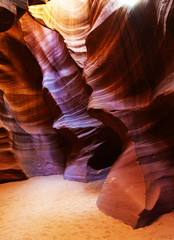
(87, 91)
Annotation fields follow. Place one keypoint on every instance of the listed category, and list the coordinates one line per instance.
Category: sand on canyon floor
(51, 208)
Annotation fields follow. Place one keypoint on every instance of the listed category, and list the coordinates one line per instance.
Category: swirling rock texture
(10, 168)
(71, 20)
(133, 81)
(28, 118)
(61, 77)
(48, 98)
(74, 101)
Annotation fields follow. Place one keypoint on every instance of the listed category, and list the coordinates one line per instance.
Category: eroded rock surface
(99, 84)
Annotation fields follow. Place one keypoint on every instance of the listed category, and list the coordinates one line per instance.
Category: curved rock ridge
(36, 145)
(12, 10)
(10, 169)
(48, 98)
(21, 86)
(133, 80)
(64, 81)
(103, 88)
(71, 20)
(133, 55)
(61, 76)
(32, 154)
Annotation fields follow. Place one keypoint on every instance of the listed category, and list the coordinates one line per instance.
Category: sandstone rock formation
(10, 168)
(83, 82)
(134, 82)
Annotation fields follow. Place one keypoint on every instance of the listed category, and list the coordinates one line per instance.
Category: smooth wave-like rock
(61, 77)
(71, 20)
(22, 86)
(10, 168)
(103, 86)
(37, 146)
(64, 81)
(133, 81)
(48, 98)
(12, 10)
(25, 155)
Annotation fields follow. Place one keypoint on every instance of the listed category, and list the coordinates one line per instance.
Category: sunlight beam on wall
(130, 3)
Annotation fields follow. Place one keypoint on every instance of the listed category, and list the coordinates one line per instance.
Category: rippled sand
(50, 208)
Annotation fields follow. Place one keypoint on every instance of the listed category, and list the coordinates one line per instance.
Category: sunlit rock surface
(61, 78)
(77, 100)
(71, 20)
(48, 97)
(133, 81)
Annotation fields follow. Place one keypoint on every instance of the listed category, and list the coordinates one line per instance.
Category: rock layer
(10, 168)
(133, 81)
(48, 98)
(76, 101)
(71, 20)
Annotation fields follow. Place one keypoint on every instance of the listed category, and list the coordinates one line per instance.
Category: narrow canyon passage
(86, 91)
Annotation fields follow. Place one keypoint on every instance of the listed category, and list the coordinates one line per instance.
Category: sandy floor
(50, 208)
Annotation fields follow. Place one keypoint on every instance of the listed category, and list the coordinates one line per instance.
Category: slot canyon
(87, 110)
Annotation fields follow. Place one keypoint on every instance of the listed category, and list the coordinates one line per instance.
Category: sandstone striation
(87, 90)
